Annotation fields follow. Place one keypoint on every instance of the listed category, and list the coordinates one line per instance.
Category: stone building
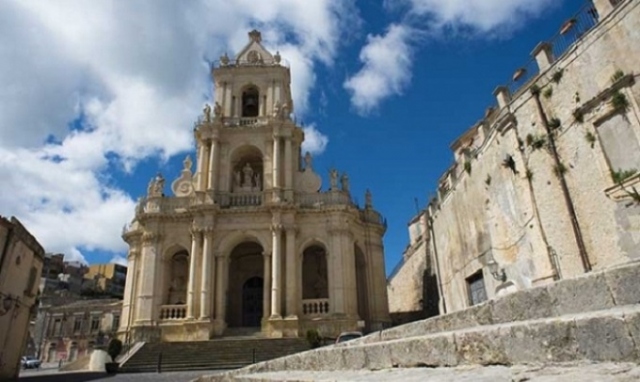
(106, 279)
(249, 240)
(545, 186)
(72, 330)
(21, 259)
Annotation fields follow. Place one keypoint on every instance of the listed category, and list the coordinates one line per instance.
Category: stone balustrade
(246, 121)
(320, 199)
(239, 199)
(315, 307)
(173, 312)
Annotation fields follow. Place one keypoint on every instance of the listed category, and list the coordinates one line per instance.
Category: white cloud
(386, 69)
(121, 260)
(481, 16)
(314, 141)
(132, 77)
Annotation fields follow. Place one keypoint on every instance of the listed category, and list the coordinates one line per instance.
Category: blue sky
(99, 96)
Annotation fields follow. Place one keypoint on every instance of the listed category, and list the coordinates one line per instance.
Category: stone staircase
(226, 353)
(592, 318)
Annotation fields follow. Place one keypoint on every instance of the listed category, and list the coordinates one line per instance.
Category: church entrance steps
(595, 317)
(210, 355)
(242, 333)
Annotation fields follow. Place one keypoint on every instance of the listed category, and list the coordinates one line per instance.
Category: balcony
(173, 312)
(315, 308)
(245, 121)
(238, 199)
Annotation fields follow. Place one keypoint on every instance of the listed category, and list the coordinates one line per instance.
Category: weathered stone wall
(405, 286)
(514, 212)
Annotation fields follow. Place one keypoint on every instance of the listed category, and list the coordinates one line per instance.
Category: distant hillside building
(546, 185)
(108, 279)
(249, 240)
(21, 260)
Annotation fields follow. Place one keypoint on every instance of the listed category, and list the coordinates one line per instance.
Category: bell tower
(249, 143)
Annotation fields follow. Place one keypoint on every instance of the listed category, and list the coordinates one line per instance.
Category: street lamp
(495, 270)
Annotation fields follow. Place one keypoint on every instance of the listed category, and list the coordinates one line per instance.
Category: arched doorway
(246, 286)
(252, 293)
(250, 102)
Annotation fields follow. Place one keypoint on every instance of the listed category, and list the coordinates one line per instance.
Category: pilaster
(288, 170)
(266, 292)
(221, 289)
(292, 299)
(276, 168)
(145, 309)
(208, 262)
(276, 267)
(213, 164)
(196, 238)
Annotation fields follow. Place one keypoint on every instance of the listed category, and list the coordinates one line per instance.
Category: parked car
(348, 336)
(30, 362)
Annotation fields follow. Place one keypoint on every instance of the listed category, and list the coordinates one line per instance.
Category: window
(77, 325)
(95, 324)
(57, 327)
(621, 143)
(116, 322)
(476, 288)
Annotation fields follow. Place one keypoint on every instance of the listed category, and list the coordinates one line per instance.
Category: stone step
(214, 354)
(611, 335)
(590, 292)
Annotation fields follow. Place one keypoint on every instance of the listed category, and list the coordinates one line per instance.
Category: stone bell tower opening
(250, 102)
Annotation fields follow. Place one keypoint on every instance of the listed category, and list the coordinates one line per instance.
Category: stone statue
(207, 112)
(156, 186)
(187, 163)
(224, 59)
(277, 57)
(284, 112)
(139, 206)
(217, 110)
(307, 161)
(344, 182)
(258, 181)
(248, 175)
(277, 109)
(333, 179)
(367, 199)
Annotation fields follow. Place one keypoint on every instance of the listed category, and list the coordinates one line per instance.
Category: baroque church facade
(249, 240)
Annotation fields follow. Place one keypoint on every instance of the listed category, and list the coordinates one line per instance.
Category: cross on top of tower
(255, 35)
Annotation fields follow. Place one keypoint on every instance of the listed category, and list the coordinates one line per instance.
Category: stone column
(193, 256)
(276, 279)
(201, 167)
(336, 280)
(276, 169)
(205, 278)
(266, 292)
(145, 311)
(292, 280)
(128, 297)
(288, 171)
(349, 273)
(213, 166)
(221, 298)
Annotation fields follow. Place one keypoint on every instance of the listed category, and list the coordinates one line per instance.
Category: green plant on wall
(617, 76)
(529, 174)
(622, 175)
(554, 123)
(548, 92)
(536, 142)
(487, 181)
(560, 169)
(619, 101)
(591, 138)
(467, 167)
(578, 115)
(557, 76)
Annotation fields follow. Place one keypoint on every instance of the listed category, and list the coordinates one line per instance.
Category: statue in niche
(367, 199)
(248, 175)
(307, 161)
(207, 112)
(344, 182)
(258, 181)
(333, 179)
(217, 110)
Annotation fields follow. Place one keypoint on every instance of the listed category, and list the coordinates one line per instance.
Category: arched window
(179, 278)
(250, 102)
(314, 273)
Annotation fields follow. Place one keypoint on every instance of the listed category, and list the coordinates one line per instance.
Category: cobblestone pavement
(600, 372)
(55, 376)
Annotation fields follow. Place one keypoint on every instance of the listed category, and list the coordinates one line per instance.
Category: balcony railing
(320, 199)
(239, 199)
(315, 307)
(173, 312)
(245, 121)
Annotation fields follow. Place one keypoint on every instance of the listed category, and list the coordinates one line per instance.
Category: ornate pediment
(254, 53)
